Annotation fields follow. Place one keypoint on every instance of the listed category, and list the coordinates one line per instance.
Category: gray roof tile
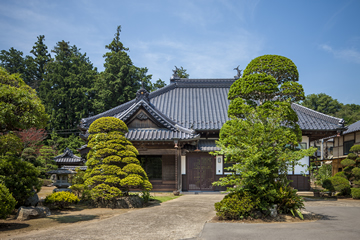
(202, 104)
(353, 128)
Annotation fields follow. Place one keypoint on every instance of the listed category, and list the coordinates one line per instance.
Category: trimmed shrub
(327, 184)
(7, 201)
(355, 193)
(113, 168)
(341, 185)
(356, 172)
(236, 205)
(352, 156)
(340, 174)
(20, 177)
(347, 162)
(108, 124)
(355, 149)
(61, 200)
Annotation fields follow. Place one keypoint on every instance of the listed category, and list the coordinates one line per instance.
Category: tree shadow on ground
(12, 226)
(73, 218)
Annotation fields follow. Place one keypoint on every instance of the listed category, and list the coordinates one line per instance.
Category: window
(152, 166)
(347, 146)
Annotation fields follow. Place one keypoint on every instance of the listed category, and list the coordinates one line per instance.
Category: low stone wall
(133, 201)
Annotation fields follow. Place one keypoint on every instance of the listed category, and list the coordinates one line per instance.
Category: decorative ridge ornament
(142, 94)
(175, 75)
(238, 72)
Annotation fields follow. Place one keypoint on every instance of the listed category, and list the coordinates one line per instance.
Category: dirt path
(180, 218)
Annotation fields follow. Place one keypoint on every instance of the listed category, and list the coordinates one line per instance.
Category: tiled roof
(204, 146)
(312, 120)
(202, 104)
(353, 128)
(153, 134)
(68, 157)
(72, 168)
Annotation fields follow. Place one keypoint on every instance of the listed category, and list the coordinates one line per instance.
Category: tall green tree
(41, 58)
(67, 89)
(349, 112)
(20, 108)
(262, 136)
(322, 103)
(120, 80)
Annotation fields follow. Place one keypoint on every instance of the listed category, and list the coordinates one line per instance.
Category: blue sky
(208, 38)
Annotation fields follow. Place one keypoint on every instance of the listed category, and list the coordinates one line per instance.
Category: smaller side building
(342, 145)
(68, 160)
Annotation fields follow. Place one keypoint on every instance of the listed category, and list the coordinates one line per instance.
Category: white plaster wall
(305, 160)
(183, 164)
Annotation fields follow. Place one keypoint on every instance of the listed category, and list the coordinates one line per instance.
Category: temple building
(174, 129)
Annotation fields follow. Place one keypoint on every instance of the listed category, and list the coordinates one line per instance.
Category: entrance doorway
(201, 171)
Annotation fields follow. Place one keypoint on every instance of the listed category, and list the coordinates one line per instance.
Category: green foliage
(112, 165)
(263, 134)
(340, 174)
(145, 195)
(45, 161)
(326, 104)
(42, 57)
(347, 162)
(19, 177)
(59, 143)
(107, 124)
(287, 200)
(327, 184)
(10, 144)
(322, 103)
(352, 156)
(355, 193)
(323, 173)
(158, 84)
(20, 108)
(181, 72)
(120, 80)
(356, 172)
(67, 88)
(281, 68)
(355, 149)
(7, 201)
(338, 184)
(61, 200)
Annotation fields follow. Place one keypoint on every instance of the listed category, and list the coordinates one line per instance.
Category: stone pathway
(180, 218)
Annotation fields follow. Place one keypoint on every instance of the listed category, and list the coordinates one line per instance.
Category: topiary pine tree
(113, 168)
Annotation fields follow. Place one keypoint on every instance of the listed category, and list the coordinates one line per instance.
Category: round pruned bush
(327, 184)
(340, 174)
(347, 162)
(60, 200)
(341, 185)
(355, 193)
(108, 124)
(236, 205)
(7, 201)
(352, 156)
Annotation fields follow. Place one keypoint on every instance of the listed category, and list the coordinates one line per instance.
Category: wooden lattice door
(201, 171)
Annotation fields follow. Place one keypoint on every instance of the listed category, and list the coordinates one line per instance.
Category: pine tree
(67, 87)
(120, 80)
(42, 57)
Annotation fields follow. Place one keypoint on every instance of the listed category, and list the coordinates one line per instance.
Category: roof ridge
(316, 113)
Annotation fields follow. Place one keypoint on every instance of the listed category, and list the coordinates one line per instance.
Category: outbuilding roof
(353, 128)
(202, 104)
(68, 157)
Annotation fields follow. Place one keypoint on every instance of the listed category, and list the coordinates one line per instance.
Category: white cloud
(351, 55)
(204, 59)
